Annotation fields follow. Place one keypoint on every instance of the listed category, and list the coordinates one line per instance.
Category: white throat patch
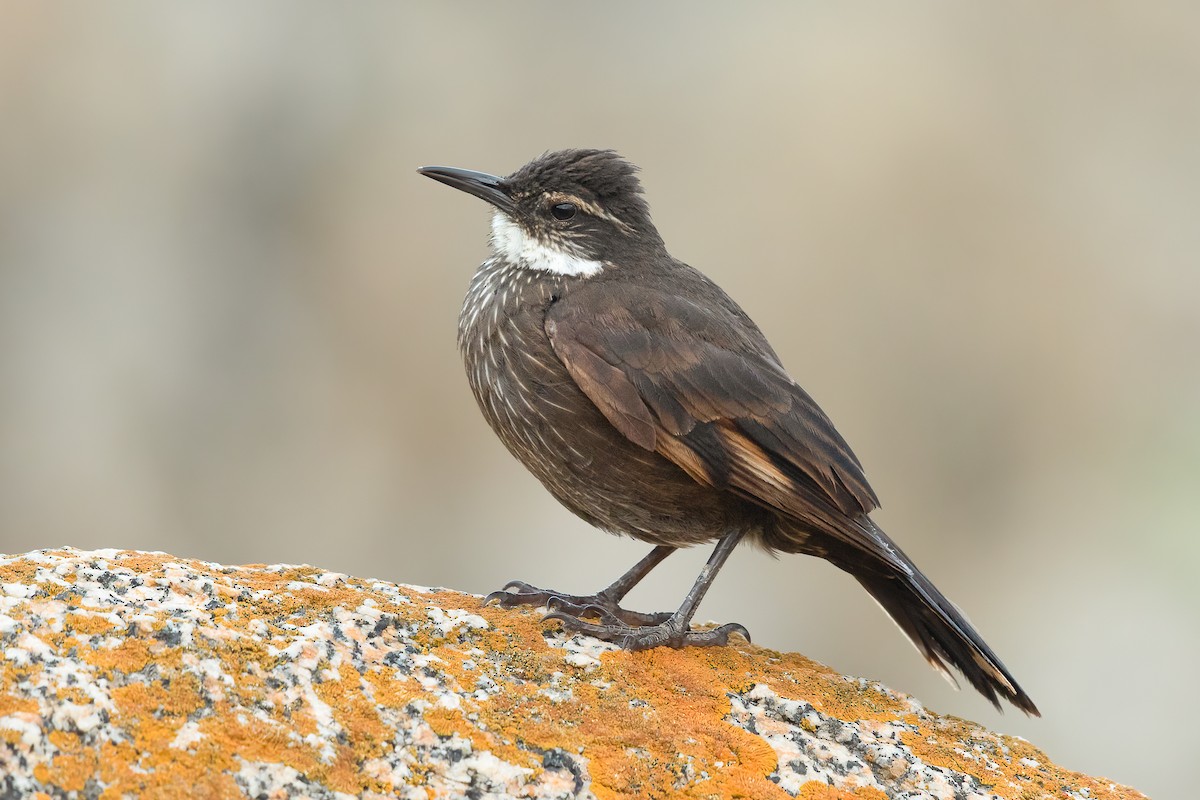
(512, 244)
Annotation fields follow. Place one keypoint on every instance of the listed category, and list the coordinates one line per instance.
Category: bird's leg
(674, 631)
(604, 603)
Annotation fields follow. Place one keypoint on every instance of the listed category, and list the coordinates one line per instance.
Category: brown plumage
(649, 404)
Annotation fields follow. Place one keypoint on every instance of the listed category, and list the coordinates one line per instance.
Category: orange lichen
(131, 655)
(10, 704)
(353, 711)
(817, 790)
(73, 764)
(951, 745)
(391, 690)
(647, 724)
(90, 624)
(22, 572)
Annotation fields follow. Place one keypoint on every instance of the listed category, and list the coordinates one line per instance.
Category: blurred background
(228, 304)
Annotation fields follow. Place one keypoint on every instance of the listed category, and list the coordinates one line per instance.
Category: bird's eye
(563, 211)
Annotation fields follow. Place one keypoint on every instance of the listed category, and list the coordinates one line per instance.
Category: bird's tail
(935, 626)
(941, 633)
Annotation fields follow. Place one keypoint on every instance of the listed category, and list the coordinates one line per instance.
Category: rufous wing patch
(687, 459)
(754, 470)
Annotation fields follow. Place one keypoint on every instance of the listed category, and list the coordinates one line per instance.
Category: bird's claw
(527, 595)
(668, 633)
(520, 593)
(576, 606)
(502, 598)
(600, 606)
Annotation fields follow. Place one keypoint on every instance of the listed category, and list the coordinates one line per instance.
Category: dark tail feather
(943, 636)
(932, 623)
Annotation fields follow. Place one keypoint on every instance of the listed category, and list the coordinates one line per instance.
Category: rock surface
(144, 675)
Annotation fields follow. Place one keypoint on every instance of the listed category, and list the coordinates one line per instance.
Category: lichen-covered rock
(131, 674)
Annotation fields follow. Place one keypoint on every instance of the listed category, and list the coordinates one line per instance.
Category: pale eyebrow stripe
(589, 207)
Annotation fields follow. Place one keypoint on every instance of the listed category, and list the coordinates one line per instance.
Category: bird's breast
(545, 420)
(522, 388)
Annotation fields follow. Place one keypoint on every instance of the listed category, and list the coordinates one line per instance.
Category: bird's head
(570, 212)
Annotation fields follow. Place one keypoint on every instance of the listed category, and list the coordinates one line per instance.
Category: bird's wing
(702, 387)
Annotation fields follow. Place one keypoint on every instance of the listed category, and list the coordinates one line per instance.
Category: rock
(145, 675)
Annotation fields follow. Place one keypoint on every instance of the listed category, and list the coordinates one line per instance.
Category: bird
(651, 405)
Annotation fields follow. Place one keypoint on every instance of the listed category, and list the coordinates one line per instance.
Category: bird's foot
(671, 632)
(599, 605)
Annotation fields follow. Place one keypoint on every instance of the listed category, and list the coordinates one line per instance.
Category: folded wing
(708, 393)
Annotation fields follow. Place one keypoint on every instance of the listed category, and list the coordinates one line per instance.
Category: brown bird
(651, 405)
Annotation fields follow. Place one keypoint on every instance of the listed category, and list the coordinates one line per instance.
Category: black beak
(484, 186)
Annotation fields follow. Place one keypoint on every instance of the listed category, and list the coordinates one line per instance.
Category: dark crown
(598, 176)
